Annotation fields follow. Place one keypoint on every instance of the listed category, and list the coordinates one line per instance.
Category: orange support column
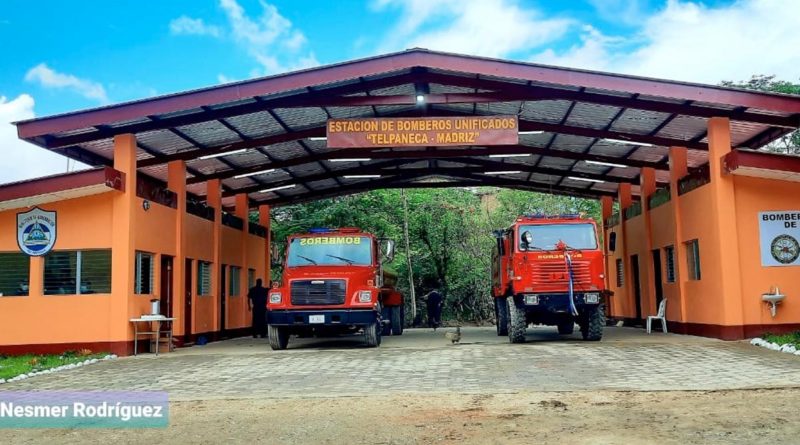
(263, 219)
(214, 200)
(122, 243)
(647, 182)
(625, 201)
(724, 214)
(243, 211)
(176, 182)
(607, 209)
(678, 168)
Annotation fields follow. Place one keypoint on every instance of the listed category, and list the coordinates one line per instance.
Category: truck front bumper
(323, 317)
(559, 302)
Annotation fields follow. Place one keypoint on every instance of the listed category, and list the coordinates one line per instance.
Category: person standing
(434, 305)
(257, 302)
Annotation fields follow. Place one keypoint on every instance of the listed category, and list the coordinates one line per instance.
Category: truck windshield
(333, 250)
(546, 237)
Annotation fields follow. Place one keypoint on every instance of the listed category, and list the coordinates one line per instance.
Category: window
(693, 259)
(15, 269)
(669, 254)
(234, 286)
(620, 273)
(330, 251)
(203, 278)
(547, 237)
(144, 273)
(76, 272)
(251, 278)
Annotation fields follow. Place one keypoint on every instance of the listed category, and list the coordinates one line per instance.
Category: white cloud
(495, 28)
(691, 41)
(270, 38)
(49, 78)
(20, 159)
(185, 25)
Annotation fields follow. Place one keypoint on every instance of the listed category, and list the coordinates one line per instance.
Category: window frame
(234, 277)
(27, 278)
(693, 259)
(669, 264)
(203, 274)
(79, 271)
(251, 278)
(137, 270)
(620, 272)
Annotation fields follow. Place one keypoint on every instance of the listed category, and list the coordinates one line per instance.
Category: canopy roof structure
(581, 132)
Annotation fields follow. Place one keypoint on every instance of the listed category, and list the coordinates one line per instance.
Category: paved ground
(423, 361)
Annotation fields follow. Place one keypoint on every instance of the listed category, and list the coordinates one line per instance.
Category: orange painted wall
(86, 223)
(703, 299)
(619, 305)
(663, 233)
(83, 223)
(756, 279)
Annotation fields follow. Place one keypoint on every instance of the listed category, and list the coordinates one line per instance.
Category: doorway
(187, 303)
(657, 277)
(165, 304)
(637, 288)
(222, 298)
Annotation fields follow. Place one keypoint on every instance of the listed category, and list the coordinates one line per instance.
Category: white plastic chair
(661, 315)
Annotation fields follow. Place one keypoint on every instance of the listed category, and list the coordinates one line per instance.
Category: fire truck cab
(333, 283)
(549, 270)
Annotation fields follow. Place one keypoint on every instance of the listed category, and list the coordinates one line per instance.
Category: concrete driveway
(422, 361)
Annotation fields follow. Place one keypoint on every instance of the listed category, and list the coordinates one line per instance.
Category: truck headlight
(364, 296)
(531, 299)
(591, 298)
(275, 297)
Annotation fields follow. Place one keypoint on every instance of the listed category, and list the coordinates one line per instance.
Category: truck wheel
(501, 316)
(566, 327)
(397, 320)
(386, 315)
(592, 327)
(372, 335)
(278, 337)
(516, 322)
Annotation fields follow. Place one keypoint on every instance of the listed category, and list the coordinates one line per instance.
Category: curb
(58, 368)
(787, 348)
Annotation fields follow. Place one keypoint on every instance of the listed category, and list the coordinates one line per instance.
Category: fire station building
(693, 212)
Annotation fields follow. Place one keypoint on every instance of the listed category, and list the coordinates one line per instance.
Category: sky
(59, 56)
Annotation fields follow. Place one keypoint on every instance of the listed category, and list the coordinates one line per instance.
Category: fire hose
(568, 261)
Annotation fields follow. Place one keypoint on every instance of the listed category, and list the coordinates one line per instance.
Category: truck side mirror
(612, 241)
(275, 254)
(387, 250)
(527, 237)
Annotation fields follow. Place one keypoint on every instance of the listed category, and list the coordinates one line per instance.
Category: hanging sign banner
(780, 238)
(423, 131)
(36, 231)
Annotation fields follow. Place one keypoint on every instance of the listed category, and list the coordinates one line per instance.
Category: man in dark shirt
(257, 300)
(434, 305)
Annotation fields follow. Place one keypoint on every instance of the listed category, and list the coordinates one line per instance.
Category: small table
(156, 332)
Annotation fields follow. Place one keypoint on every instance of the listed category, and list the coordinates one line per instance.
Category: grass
(792, 338)
(12, 366)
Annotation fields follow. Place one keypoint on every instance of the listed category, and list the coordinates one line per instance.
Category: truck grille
(312, 292)
(555, 273)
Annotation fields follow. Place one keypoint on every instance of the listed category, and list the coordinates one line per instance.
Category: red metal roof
(576, 111)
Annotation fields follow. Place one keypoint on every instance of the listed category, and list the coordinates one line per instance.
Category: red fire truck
(549, 270)
(334, 282)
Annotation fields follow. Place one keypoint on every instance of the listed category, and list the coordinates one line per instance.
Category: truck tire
(592, 327)
(566, 327)
(372, 335)
(516, 322)
(397, 320)
(386, 316)
(278, 337)
(501, 316)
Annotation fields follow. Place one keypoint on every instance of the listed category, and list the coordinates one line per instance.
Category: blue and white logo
(36, 231)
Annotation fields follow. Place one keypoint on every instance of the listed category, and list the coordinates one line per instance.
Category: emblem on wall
(785, 249)
(36, 231)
